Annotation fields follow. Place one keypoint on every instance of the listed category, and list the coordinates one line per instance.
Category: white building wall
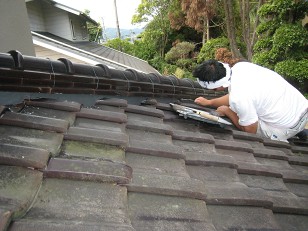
(57, 22)
(36, 17)
(80, 28)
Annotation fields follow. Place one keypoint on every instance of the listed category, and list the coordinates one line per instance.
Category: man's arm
(226, 111)
(216, 102)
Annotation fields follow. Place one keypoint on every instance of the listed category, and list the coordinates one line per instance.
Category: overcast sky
(105, 9)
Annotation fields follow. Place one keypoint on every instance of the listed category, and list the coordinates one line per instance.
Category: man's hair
(210, 70)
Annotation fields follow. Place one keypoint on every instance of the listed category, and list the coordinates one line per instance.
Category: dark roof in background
(91, 148)
(96, 52)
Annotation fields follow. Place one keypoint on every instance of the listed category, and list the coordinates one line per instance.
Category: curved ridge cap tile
(150, 126)
(112, 102)
(97, 136)
(105, 69)
(102, 115)
(18, 59)
(54, 104)
(193, 136)
(167, 185)
(246, 136)
(68, 65)
(90, 170)
(34, 122)
(233, 145)
(144, 110)
(270, 154)
(17, 155)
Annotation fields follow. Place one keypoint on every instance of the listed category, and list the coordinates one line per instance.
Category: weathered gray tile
(34, 122)
(53, 104)
(242, 218)
(90, 170)
(147, 136)
(274, 163)
(96, 114)
(236, 193)
(155, 212)
(293, 176)
(300, 190)
(99, 125)
(167, 185)
(269, 153)
(245, 136)
(257, 169)
(97, 136)
(233, 146)
(192, 136)
(264, 182)
(213, 173)
(66, 203)
(23, 156)
(93, 151)
(289, 222)
(286, 202)
(112, 102)
(49, 141)
(156, 165)
(149, 126)
(18, 188)
(144, 110)
(299, 160)
(238, 156)
(60, 225)
(300, 150)
(155, 149)
(51, 113)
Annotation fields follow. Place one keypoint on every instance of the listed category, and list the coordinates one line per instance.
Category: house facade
(60, 20)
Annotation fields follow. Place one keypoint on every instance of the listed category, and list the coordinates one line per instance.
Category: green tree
(120, 45)
(95, 31)
(158, 29)
(283, 44)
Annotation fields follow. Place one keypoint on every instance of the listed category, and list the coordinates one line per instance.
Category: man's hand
(202, 101)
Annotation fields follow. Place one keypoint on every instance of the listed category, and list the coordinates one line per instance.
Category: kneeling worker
(259, 100)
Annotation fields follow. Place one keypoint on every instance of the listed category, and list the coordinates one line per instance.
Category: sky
(105, 9)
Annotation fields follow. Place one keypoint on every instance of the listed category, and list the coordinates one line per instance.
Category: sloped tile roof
(96, 52)
(86, 152)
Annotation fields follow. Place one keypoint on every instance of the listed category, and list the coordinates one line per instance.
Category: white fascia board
(65, 52)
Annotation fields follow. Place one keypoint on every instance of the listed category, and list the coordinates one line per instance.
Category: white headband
(223, 82)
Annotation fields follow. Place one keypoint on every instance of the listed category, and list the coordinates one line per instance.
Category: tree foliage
(209, 48)
(283, 45)
(158, 29)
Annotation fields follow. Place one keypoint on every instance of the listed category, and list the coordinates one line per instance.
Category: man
(259, 100)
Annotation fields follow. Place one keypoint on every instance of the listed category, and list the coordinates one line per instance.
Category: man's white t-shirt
(257, 93)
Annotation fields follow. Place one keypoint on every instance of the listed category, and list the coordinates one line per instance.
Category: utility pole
(117, 20)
